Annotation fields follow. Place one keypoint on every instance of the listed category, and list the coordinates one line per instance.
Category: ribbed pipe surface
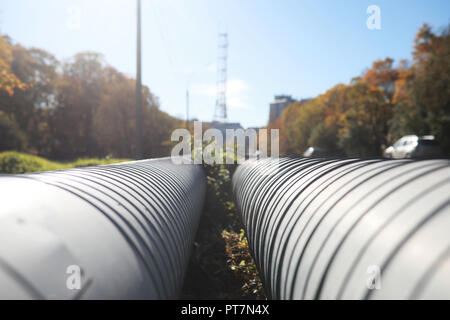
(348, 229)
(128, 227)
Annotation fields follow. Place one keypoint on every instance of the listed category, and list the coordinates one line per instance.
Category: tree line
(81, 107)
(385, 103)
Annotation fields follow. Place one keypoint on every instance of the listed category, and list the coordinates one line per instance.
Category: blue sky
(297, 47)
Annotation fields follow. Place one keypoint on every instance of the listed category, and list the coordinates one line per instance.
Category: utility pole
(139, 154)
(187, 109)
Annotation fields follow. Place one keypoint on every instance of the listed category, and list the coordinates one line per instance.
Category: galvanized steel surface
(322, 228)
(129, 227)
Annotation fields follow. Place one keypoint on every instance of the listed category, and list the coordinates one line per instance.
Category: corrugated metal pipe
(348, 228)
(120, 231)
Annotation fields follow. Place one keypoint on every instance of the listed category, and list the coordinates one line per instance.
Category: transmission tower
(220, 112)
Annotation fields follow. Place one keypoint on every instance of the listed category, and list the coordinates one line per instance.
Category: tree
(362, 128)
(297, 122)
(385, 103)
(423, 107)
(115, 116)
(114, 120)
(431, 85)
(11, 137)
(32, 107)
(8, 80)
(382, 75)
(82, 108)
(347, 120)
(79, 90)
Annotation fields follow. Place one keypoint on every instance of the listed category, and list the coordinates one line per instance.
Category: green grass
(16, 162)
(221, 265)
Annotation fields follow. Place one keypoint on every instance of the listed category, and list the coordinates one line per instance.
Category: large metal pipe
(126, 229)
(348, 229)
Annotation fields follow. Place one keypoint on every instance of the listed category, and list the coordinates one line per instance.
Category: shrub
(16, 162)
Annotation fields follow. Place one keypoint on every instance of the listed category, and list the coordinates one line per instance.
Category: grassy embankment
(16, 162)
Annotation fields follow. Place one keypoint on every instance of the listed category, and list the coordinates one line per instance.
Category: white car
(414, 147)
(313, 152)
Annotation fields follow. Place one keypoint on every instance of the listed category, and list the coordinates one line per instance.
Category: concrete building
(277, 107)
(223, 126)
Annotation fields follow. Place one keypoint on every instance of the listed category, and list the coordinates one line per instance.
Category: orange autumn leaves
(387, 101)
(8, 80)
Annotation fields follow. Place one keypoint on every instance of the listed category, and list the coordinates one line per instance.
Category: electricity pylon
(220, 111)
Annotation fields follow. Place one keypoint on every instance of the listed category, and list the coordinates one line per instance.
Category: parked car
(313, 152)
(414, 147)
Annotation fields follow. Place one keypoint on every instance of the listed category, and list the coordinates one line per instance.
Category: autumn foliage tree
(80, 108)
(346, 120)
(430, 87)
(386, 102)
(8, 80)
